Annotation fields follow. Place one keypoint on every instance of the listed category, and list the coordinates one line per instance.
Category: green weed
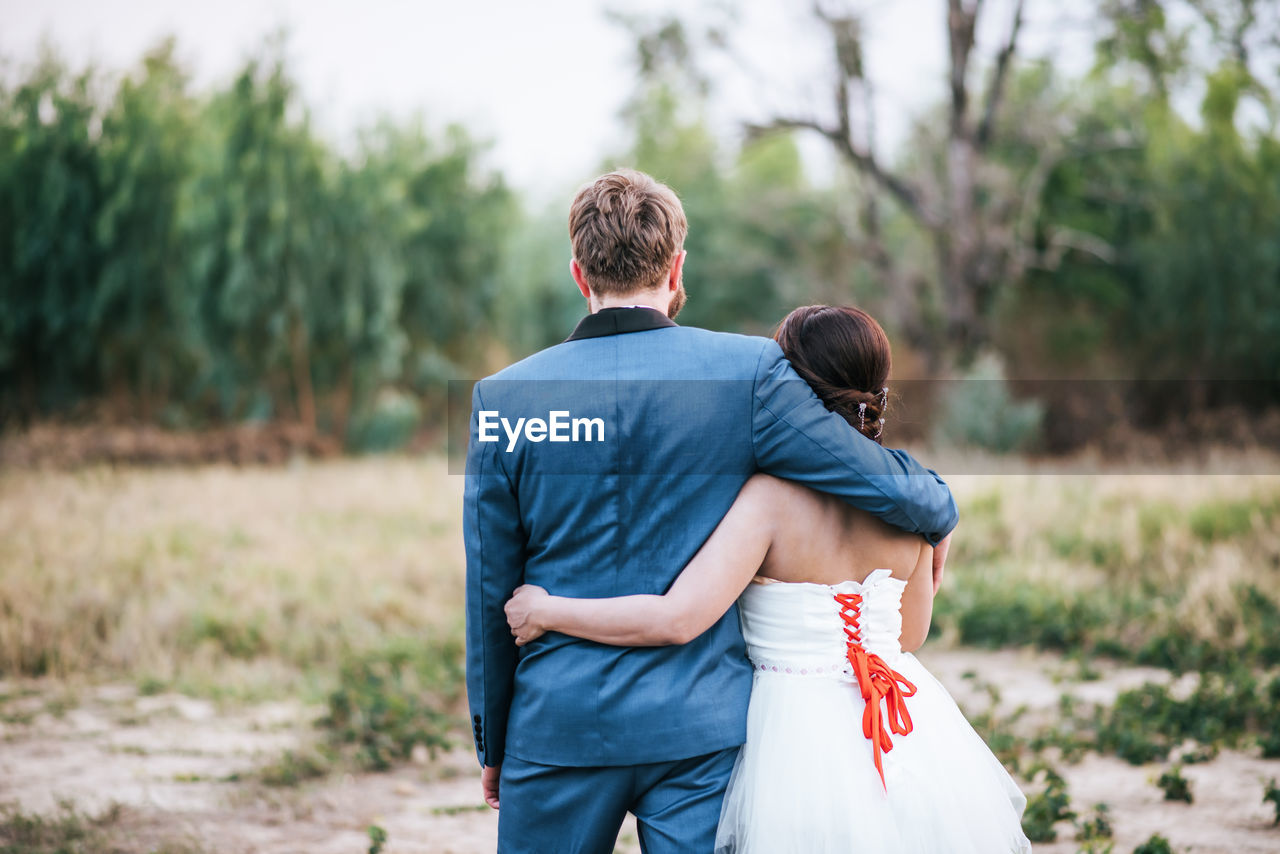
(1095, 827)
(460, 810)
(1047, 807)
(1174, 785)
(1146, 723)
(68, 831)
(1157, 844)
(1214, 521)
(999, 730)
(391, 699)
(294, 767)
(1271, 795)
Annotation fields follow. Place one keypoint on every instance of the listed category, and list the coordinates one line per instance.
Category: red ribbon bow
(879, 683)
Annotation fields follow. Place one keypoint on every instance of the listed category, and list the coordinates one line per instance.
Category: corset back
(798, 628)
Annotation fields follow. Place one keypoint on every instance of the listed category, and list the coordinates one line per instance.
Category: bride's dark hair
(844, 355)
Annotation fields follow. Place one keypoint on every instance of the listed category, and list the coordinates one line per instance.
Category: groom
(597, 468)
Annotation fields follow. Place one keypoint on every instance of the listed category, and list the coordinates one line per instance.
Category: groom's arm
(797, 438)
(495, 545)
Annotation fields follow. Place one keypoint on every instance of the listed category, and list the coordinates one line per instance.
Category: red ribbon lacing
(878, 683)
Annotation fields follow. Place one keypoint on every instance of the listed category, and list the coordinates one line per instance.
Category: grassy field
(338, 586)
(226, 582)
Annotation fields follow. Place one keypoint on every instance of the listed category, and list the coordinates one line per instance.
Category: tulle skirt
(806, 782)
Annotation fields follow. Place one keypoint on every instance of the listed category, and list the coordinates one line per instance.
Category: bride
(852, 746)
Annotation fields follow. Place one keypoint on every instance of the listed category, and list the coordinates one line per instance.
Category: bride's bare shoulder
(781, 496)
(809, 508)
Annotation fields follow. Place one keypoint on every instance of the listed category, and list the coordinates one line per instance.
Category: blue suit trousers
(553, 809)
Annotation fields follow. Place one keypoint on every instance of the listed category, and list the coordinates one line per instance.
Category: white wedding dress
(808, 780)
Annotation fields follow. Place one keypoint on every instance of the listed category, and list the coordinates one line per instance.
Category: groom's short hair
(626, 229)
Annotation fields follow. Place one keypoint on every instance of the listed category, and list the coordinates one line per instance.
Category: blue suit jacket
(687, 416)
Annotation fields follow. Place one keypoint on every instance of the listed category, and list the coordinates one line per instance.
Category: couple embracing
(695, 579)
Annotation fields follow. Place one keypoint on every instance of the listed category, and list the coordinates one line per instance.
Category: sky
(542, 81)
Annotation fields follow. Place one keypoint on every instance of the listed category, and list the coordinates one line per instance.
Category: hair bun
(844, 356)
(863, 409)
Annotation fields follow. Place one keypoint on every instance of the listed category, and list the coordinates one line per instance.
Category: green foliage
(1047, 807)
(1096, 826)
(296, 766)
(388, 423)
(1269, 740)
(67, 830)
(979, 411)
(1157, 844)
(999, 730)
(1145, 723)
(1174, 785)
(1170, 270)
(193, 259)
(1271, 795)
(141, 321)
(1222, 520)
(51, 189)
(378, 837)
(236, 635)
(999, 615)
(394, 698)
(1198, 755)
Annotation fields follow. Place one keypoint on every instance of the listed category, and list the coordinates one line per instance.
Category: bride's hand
(522, 614)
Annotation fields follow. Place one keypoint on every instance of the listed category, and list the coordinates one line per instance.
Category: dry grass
(1179, 570)
(222, 579)
(253, 581)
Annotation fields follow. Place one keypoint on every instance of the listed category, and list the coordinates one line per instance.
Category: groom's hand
(489, 783)
(939, 561)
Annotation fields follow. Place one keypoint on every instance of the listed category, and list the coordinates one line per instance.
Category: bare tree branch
(960, 27)
(879, 255)
(1003, 61)
(906, 194)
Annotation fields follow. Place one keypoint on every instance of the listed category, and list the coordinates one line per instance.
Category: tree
(256, 225)
(50, 192)
(142, 324)
(968, 236)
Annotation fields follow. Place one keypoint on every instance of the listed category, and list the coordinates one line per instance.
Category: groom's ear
(580, 279)
(677, 267)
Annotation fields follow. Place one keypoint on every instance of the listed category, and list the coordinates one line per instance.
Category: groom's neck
(658, 299)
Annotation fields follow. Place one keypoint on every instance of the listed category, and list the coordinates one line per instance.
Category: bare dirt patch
(186, 771)
(1227, 814)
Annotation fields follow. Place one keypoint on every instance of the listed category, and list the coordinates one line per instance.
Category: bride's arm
(917, 602)
(700, 596)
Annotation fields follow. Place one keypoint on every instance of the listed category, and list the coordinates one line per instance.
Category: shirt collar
(618, 321)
